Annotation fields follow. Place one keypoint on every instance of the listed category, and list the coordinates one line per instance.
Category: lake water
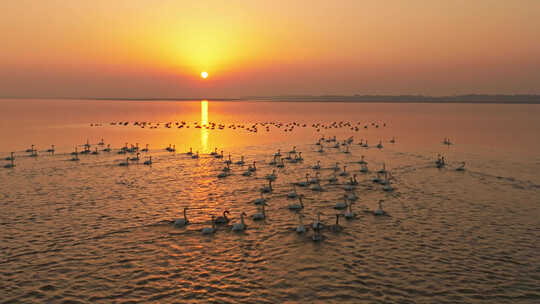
(91, 231)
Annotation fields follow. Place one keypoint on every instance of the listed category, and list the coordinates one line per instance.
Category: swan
(293, 150)
(316, 187)
(108, 149)
(136, 158)
(222, 219)
(227, 168)
(101, 143)
(11, 164)
(300, 228)
(341, 205)
(380, 210)
(51, 150)
(297, 206)
(352, 196)
(260, 215)
(441, 163)
(246, 173)
(393, 140)
(321, 149)
(278, 153)
(336, 227)
(362, 161)
(281, 164)
(124, 164)
(240, 226)
(145, 149)
(344, 172)
(350, 214)
(95, 152)
(190, 152)
(365, 145)
(317, 224)
(383, 169)
(75, 155)
(30, 150)
(317, 166)
(11, 157)
(317, 236)
(267, 189)
(347, 150)
(210, 230)
(461, 167)
(333, 178)
(304, 183)
(214, 152)
(195, 156)
(241, 161)
(149, 161)
(219, 155)
(380, 146)
(292, 194)
(315, 179)
(259, 201)
(298, 157)
(353, 181)
(377, 179)
(364, 169)
(228, 161)
(223, 174)
(252, 168)
(336, 167)
(271, 177)
(182, 221)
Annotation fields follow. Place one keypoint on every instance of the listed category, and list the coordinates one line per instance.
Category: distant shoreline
(469, 99)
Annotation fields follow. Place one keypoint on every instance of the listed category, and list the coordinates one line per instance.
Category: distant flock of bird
(278, 160)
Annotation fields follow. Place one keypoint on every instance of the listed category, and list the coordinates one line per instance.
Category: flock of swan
(279, 159)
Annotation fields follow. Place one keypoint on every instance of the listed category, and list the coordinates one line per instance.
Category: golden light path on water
(204, 123)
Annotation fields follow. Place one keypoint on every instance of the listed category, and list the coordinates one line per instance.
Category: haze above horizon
(147, 49)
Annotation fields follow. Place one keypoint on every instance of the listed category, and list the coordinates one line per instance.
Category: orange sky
(147, 48)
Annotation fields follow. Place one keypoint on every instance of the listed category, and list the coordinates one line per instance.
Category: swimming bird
(149, 161)
(267, 189)
(181, 222)
(11, 164)
(380, 210)
(362, 161)
(315, 179)
(317, 224)
(241, 161)
(75, 155)
(336, 227)
(95, 152)
(278, 153)
(364, 168)
(344, 172)
(240, 226)
(292, 194)
(30, 150)
(228, 161)
(461, 167)
(11, 157)
(108, 149)
(219, 155)
(280, 164)
(352, 196)
(145, 149)
(271, 177)
(260, 215)
(190, 152)
(380, 146)
(259, 201)
(333, 178)
(341, 205)
(317, 166)
(383, 169)
(336, 167)
(300, 228)
(297, 206)
(393, 140)
(214, 152)
(316, 187)
(136, 158)
(223, 219)
(252, 168)
(124, 164)
(195, 156)
(51, 150)
(317, 236)
(350, 214)
(210, 230)
(304, 183)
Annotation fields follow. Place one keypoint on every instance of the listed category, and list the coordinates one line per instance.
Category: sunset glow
(204, 75)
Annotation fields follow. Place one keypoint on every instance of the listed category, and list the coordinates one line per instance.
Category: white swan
(241, 161)
(380, 210)
(267, 189)
(271, 177)
(297, 206)
(292, 194)
(260, 215)
(350, 214)
(259, 201)
(341, 205)
(240, 226)
(181, 222)
(336, 227)
(222, 219)
(300, 228)
(210, 230)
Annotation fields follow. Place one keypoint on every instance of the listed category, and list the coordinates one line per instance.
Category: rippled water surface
(91, 231)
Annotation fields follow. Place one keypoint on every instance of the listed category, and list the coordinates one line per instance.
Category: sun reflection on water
(204, 124)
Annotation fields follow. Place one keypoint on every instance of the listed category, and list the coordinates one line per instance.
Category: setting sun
(204, 75)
